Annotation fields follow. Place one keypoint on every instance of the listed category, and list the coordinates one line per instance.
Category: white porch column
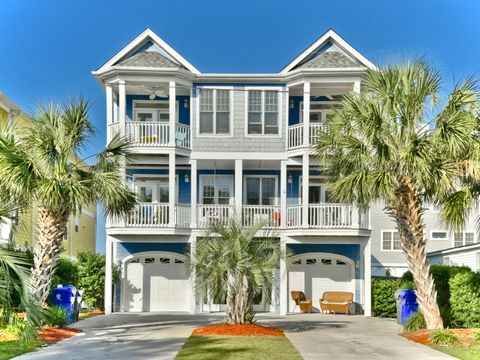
(115, 109)
(108, 275)
(306, 113)
(305, 183)
(122, 104)
(193, 194)
(109, 104)
(356, 86)
(238, 187)
(172, 111)
(171, 188)
(367, 296)
(283, 280)
(193, 276)
(283, 193)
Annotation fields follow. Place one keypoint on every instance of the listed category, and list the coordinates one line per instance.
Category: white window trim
(136, 106)
(245, 177)
(324, 184)
(280, 120)
(201, 181)
(381, 241)
(475, 240)
(156, 176)
(300, 108)
(197, 112)
(442, 231)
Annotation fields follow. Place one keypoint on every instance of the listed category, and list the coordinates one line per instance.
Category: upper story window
(319, 112)
(439, 235)
(214, 112)
(262, 112)
(463, 238)
(391, 240)
(153, 110)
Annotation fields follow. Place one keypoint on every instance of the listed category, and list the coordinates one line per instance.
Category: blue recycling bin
(67, 298)
(406, 304)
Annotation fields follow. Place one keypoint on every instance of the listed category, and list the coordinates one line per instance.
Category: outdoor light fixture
(187, 178)
(290, 179)
(186, 103)
(292, 104)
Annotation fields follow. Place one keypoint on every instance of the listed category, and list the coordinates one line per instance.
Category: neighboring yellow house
(81, 227)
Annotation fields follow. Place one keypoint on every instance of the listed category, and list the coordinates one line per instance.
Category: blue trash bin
(406, 304)
(65, 297)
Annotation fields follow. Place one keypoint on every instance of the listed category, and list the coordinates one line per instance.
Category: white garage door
(314, 273)
(156, 283)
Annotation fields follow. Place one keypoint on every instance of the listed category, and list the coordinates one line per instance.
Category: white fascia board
(148, 33)
(459, 249)
(200, 155)
(329, 35)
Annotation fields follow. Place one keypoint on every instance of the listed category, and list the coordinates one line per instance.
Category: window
(319, 113)
(391, 240)
(439, 235)
(311, 261)
(463, 238)
(260, 190)
(326, 261)
(153, 190)
(149, 260)
(163, 260)
(152, 111)
(216, 189)
(214, 111)
(262, 112)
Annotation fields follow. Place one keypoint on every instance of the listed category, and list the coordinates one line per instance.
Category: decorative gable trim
(329, 36)
(146, 35)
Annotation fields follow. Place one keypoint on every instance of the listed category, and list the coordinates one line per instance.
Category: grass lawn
(462, 352)
(10, 349)
(238, 348)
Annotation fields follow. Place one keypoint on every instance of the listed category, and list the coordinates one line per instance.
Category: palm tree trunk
(408, 215)
(47, 250)
(242, 300)
(230, 311)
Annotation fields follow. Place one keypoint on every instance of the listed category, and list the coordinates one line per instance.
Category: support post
(283, 280)
(367, 296)
(109, 109)
(193, 276)
(122, 104)
(283, 194)
(193, 194)
(108, 275)
(172, 112)
(171, 188)
(305, 184)
(356, 86)
(306, 113)
(238, 187)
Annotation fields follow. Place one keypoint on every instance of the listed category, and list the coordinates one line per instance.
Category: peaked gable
(148, 50)
(328, 52)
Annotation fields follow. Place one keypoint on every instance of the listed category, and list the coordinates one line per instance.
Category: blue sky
(48, 48)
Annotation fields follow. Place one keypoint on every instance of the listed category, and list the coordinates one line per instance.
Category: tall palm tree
(40, 166)
(395, 143)
(233, 264)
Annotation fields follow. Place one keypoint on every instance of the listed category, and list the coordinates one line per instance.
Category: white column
(283, 193)
(238, 187)
(305, 183)
(109, 109)
(193, 193)
(356, 86)
(172, 111)
(283, 280)
(115, 110)
(367, 295)
(122, 104)
(108, 275)
(171, 188)
(193, 276)
(306, 113)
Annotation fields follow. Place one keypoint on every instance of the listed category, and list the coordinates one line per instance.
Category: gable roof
(328, 52)
(148, 50)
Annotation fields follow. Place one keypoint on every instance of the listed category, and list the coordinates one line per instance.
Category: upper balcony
(297, 138)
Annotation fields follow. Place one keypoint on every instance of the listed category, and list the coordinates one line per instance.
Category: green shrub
(16, 329)
(465, 299)
(415, 322)
(476, 336)
(56, 316)
(443, 337)
(66, 273)
(384, 303)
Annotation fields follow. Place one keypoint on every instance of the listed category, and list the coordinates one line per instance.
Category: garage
(314, 273)
(155, 282)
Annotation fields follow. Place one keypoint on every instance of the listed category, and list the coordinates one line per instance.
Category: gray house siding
(238, 141)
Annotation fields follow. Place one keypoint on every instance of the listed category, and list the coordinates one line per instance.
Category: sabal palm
(40, 166)
(230, 262)
(394, 143)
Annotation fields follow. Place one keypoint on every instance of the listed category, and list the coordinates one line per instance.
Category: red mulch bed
(91, 313)
(52, 335)
(238, 330)
(423, 336)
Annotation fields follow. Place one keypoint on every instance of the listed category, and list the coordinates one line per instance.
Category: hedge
(465, 299)
(384, 303)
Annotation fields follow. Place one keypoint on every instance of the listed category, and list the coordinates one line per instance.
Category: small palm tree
(233, 264)
(39, 166)
(391, 143)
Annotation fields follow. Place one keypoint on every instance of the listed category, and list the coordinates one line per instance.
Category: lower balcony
(320, 216)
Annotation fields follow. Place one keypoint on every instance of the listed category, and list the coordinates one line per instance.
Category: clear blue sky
(48, 48)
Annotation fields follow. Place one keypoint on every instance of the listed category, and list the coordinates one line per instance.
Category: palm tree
(394, 143)
(39, 166)
(233, 264)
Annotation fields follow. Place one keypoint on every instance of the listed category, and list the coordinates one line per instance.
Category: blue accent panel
(293, 189)
(124, 249)
(294, 113)
(183, 112)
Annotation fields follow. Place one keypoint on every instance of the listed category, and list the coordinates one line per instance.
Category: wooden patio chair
(302, 302)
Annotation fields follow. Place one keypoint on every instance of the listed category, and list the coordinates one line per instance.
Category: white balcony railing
(330, 216)
(294, 216)
(315, 131)
(182, 136)
(143, 133)
(182, 215)
(149, 215)
(208, 214)
(295, 135)
(269, 215)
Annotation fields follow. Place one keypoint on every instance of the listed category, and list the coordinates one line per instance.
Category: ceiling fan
(154, 92)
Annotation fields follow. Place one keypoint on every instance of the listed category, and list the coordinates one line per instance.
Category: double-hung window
(214, 111)
(463, 238)
(391, 240)
(262, 112)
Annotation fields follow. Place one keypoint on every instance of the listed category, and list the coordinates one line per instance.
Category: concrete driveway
(160, 336)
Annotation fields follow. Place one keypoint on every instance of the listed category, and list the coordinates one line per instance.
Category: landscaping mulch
(91, 313)
(237, 330)
(423, 336)
(52, 335)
